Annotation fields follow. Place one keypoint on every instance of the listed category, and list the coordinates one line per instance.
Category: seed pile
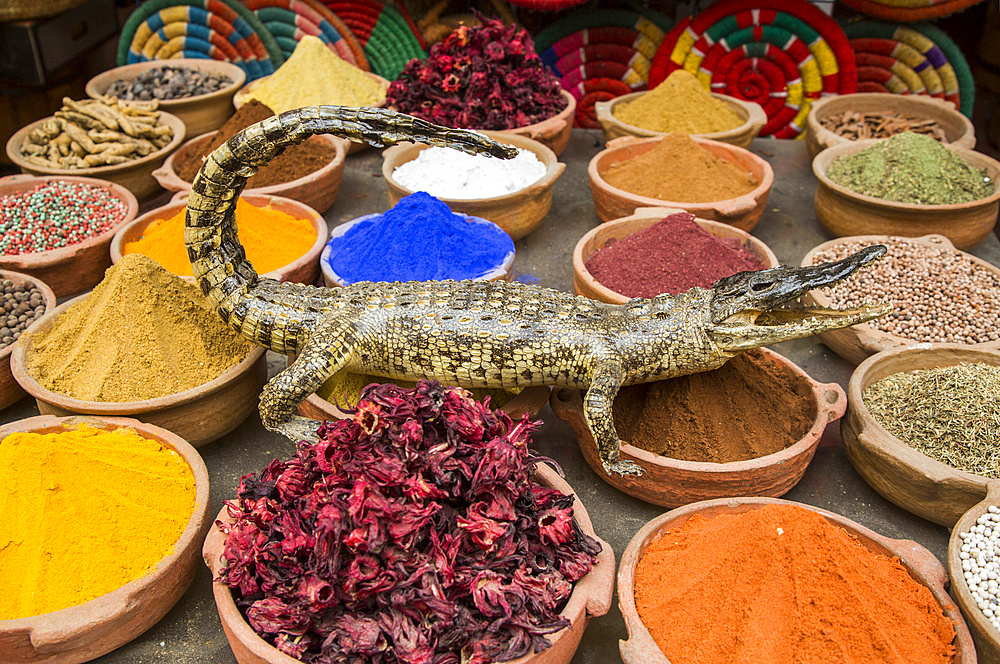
(22, 304)
(96, 132)
(981, 563)
(879, 124)
(951, 414)
(168, 82)
(938, 295)
(447, 173)
(56, 214)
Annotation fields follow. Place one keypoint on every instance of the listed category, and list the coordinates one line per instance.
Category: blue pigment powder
(418, 240)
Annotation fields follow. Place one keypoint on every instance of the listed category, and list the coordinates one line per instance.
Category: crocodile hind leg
(597, 409)
(328, 350)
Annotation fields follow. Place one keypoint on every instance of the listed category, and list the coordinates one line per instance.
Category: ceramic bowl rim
(125, 73)
(744, 108)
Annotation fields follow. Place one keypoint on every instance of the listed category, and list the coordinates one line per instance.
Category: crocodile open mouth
(811, 316)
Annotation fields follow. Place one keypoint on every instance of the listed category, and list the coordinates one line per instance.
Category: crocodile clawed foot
(299, 429)
(623, 468)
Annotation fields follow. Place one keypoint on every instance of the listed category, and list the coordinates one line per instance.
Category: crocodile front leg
(328, 350)
(597, 404)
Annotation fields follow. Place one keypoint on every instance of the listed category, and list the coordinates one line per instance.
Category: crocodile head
(749, 309)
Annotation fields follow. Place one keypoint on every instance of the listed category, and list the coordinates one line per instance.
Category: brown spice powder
(750, 407)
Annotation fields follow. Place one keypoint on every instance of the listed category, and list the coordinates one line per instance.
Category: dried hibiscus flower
(485, 77)
(413, 533)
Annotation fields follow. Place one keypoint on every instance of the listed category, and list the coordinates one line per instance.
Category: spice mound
(419, 239)
(56, 214)
(447, 173)
(168, 82)
(981, 564)
(781, 584)
(937, 294)
(142, 333)
(22, 305)
(679, 103)
(483, 77)
(163, 240)
(414, 532)
(855, 126)
(295, 162)
(84, 512)
(313, 75)
(911, 168)
(678, 169)
(671, 256)
(951, 414)
(750, 407)
(96, 132)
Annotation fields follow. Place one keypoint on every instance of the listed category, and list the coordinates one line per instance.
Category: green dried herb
(951, 414)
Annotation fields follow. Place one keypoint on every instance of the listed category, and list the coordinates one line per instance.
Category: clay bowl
(243, 95)
(598, 237)
(958, 129)
(858, 342)
(743, 212)
(86, 631)
(135, 175)
(78, 267)
(504, 271)
(923, 567)
(200, 415)
(751, 113)
(591, 596)
(844, 212)
(984, 634)
(318, 189)
(914, 481)
(553, 132)
(518, 213)
(303, 270)
(199, 113)
(672, 482)
(10, 391)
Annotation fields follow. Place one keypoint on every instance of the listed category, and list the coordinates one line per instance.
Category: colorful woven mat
(291, 20)
(389, 37)
(782, 54)
(906, 11)
(216, 29)
(915, 59)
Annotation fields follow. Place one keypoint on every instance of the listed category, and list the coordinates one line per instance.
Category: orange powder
(272, 239)
(783, 585)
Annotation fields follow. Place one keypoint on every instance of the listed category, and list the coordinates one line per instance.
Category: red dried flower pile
(413, 533)
(485, 77)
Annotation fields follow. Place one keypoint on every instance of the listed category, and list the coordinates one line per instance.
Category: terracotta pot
(585, 284)
(914, 481)
(958, 129)
(984, 634)
(554, 132)
(303, 270)
(86, 631)
(504, 271)
(743, 212)
(751, 113)
(200, 415)
(923, 567)
(672, 482)
(591, 596)
(318, 189)
(518, 213)
(10, 391)
(243, 95)
(844, 212)
(858, 342)
(78, 267)
(135, 175)
(199, 113)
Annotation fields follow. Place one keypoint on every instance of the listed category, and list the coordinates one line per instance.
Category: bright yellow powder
(83, 512)
(271, 238)
(680, 103)
(315, 75)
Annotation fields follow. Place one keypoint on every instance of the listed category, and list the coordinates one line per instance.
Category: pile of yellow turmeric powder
(83, 512)
(679, 103)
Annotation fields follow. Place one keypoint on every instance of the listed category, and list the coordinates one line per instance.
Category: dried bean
(168, 82)
(22, 304)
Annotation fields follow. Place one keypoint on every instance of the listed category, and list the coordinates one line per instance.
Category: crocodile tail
(218, 260)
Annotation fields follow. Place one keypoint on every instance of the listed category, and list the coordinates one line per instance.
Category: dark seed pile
(22, 304)
(168, 82)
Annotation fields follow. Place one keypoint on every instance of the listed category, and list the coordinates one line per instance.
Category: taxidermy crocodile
(472, 333)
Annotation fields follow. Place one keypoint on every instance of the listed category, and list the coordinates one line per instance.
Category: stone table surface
(191, 631)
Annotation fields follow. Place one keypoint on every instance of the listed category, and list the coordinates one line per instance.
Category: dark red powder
(671, 256)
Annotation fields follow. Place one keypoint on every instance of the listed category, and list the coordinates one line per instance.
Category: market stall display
(290, 21)
(388, 36)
